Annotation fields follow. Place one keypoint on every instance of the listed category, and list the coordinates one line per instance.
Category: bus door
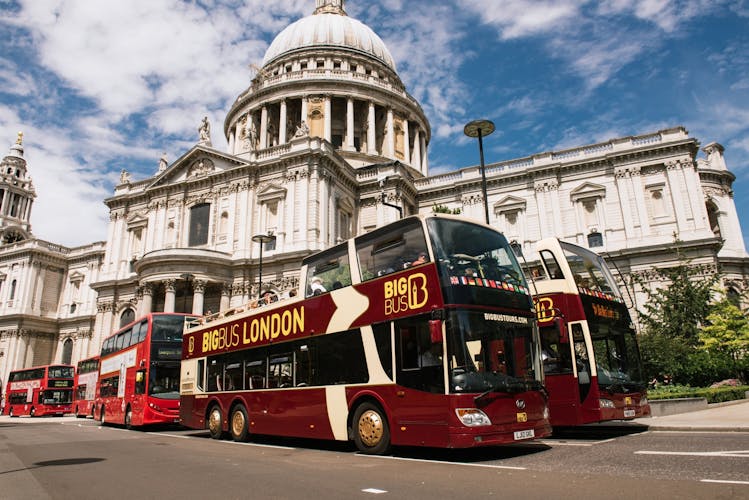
(420, 375)
(559, 377)
(583, 352)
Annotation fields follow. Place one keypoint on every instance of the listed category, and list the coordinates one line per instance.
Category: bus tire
(214, 422)
(129, 419)
(371, 430)
(239, 423)
(10, 412)
(101, 415)
(32, 412)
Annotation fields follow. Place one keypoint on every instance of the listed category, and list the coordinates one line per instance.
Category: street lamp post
(480, 129)
(262, 239)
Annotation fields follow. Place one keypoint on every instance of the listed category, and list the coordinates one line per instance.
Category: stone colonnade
(349, 124)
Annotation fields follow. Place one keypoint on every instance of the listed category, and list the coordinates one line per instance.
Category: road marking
(441, 462)
(737, 453)
(374, 490)
(167, 434)
(724, 481)
(562, 443)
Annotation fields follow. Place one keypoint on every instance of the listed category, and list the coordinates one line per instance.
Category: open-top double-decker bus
(84, 388)
(139, 372)
(38, 391)
(592, 365)
(419, 333)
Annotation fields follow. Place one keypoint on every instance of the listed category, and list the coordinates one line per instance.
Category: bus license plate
(526, 434)
(629, 413)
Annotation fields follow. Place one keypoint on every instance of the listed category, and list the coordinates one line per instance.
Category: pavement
(731, 416)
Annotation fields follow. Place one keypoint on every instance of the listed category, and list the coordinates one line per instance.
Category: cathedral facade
(324, 144)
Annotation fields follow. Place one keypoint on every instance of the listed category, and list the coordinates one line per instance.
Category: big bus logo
(544, 309)
(408, 292)
(191, 344)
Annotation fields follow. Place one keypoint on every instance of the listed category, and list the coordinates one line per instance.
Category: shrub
(716, 395)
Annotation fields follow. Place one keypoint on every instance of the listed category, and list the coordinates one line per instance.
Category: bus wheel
(101, 416)
(32, 412)
(10, 412)
(371, 431)
(239, 423)
(129, 419)
(215, 422)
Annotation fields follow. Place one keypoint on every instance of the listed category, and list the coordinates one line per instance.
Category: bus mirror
(435, 331)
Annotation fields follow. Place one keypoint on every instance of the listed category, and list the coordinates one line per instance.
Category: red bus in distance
(39, 391)
(592, 365)
(139, 372)
(84, 388)
(419, 333)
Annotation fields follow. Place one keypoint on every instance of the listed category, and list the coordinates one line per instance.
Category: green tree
(726, 331)
(672, 318)
(442, 209)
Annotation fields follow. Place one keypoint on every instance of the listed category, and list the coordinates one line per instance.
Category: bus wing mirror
(435, 331)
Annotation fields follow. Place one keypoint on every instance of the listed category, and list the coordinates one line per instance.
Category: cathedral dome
(329, 26)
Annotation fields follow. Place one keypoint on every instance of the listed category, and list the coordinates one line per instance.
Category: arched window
(67, 352)
(199, 215)
(127, 316)
(733, 296)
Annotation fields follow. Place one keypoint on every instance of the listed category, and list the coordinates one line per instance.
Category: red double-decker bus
(84, 388)
(38, 391)
(592, 365)
(139, 372)
(419, 333)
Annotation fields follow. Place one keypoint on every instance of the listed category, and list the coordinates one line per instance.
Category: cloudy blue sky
(101, 85)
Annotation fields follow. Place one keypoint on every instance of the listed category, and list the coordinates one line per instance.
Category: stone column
(169, 298)
(198, 295)
(327, 119)
(304, 111)
(406, 145)
(147, 300)
(349, 124)
(390, 130)
(264, 127)
(371, 146)
(282, 123)
(424, 164)
(416, 160)
(225, 297)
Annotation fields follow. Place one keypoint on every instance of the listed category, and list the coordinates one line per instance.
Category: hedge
(717, 395)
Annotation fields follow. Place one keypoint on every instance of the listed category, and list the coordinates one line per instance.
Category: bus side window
(201, 374)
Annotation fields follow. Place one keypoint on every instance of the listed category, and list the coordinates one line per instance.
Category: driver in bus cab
(432, 356)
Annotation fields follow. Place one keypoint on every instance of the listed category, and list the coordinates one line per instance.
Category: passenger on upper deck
(317, 286)
(421, 259)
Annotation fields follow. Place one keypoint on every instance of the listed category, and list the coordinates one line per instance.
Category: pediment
(510, 204)
(196, 163)
(76, 277)
(588, 190)
(271, 192)
(136, 220)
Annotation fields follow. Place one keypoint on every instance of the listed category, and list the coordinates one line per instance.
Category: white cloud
(521, 18)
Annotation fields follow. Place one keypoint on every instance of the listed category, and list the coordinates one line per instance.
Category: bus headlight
(605, 403)
(472, 417)
(154, 406)
(643, 401)
(547, 414)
